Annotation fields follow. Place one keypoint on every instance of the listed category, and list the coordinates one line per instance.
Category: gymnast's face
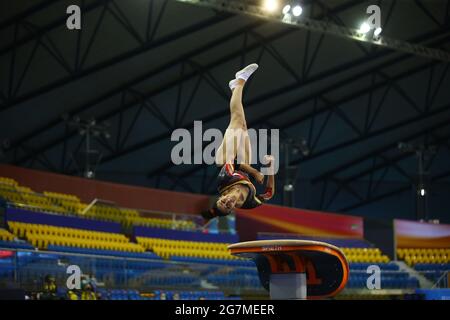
(227, 203)
(232, 198)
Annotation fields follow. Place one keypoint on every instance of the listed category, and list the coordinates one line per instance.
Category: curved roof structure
(144, 68)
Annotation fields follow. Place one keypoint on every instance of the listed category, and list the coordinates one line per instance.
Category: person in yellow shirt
(88, 293)
(72, 295)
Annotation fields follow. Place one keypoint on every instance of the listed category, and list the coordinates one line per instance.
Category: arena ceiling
(144, 68)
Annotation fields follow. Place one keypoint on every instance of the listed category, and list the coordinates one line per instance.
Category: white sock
(233, 83)
(245, 73)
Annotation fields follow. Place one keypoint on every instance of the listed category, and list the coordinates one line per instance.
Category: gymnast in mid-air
(235, 186)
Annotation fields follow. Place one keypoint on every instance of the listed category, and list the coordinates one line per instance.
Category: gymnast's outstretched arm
(258, 176)
(270, 184)
(270, 188)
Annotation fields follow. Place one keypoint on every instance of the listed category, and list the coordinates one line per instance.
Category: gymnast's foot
(243, 75)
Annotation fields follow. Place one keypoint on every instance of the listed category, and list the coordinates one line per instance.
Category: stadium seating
(434, 272)
(41, 236)
(124, 294)
(68, 204)
(24, 196)
(243, 278)
(9, 240)
(120, 294)
(391, 276)
(167, 253)
(228, 262)
(124, 216)
(167, 248)
(8, 191)
(8, 181)
(433, 263)
(365, 255)
(186, 295)
(414, 256)
(6, 235)
(103, 252)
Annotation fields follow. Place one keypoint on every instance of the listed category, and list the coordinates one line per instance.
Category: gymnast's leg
(236, 141)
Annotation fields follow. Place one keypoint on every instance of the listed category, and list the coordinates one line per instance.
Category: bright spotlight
(271, 5)
(286, 9)
(297, 11)
(423, 192)
(377, 32)
(364, 28)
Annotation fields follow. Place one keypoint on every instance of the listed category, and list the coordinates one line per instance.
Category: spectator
(49, 288)
(88, 293)
(71, 295)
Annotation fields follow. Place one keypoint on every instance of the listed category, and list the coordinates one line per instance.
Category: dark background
(144, 68)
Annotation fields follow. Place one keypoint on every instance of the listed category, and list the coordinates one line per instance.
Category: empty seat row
(391, 266)
(401, 252)
(11, 196)
(5, 235)
(385, 283)
(151, 243)
(43, 241)
(365, 255)
(413, 256)
(130, 217)
(235, 281)
(167, 248)
(228, 262)
(8, 181)
(103, 252)
(168, 253)
(61, 196)
(41, 236)
(362, 251)
(67, 204)
(22, 229)
(432, 266)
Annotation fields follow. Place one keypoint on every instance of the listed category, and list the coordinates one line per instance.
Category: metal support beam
(48, 27)
(381, 150)
(149, 45)
(435, 178)
(332, 106)
(387, 163)
(332, 71)
(251, 103)
(321, 26)
(130, 84)
(26, 13)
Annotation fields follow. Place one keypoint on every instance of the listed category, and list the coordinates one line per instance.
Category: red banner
(6, 254)
(277, 219)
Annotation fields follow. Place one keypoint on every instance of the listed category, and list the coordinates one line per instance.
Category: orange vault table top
(296, 269)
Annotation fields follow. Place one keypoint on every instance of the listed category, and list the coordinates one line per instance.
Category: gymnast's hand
(259, 177)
